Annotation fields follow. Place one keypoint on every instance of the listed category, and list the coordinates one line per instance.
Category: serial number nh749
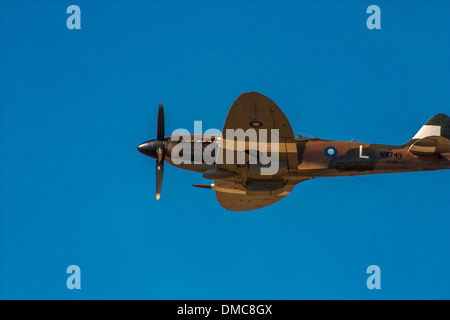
(391, 155)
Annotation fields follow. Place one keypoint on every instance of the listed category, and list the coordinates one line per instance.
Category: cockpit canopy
(303, 136)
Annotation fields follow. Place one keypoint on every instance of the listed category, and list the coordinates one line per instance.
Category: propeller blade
(159, 178)
(160, 151)
(156, 148)
(160, 125)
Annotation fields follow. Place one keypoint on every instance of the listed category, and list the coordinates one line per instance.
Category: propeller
(160, 151)
(156, 149)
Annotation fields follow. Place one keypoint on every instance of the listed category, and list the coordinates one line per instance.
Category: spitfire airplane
(242, 186)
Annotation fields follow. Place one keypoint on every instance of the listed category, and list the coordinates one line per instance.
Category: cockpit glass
(302, 135)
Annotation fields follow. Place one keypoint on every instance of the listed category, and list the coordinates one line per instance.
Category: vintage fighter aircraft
(241, 187)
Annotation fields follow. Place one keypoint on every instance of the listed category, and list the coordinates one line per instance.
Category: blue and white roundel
(330, 152)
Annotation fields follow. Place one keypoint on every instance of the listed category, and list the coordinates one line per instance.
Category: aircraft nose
(148, 148)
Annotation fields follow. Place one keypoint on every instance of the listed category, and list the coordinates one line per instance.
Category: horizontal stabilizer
(430, 145)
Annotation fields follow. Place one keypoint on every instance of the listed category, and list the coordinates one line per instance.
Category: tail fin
(439, 126)
(433, 137)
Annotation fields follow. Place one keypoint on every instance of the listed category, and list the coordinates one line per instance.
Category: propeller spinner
(156, 149)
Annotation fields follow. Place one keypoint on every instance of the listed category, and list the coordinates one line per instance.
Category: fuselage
(327, 158)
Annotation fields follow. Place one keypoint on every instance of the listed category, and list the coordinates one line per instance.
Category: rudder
(439, 125)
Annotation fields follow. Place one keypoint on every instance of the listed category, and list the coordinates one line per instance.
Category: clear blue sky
(74, 105)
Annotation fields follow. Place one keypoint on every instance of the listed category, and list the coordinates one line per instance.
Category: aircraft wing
(232, 195)
(253, 110)
(250, 190)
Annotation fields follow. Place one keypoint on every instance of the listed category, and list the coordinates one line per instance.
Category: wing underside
(233, 196)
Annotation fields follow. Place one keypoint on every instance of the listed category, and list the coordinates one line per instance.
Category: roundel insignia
(330, 152)
(256, 124)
